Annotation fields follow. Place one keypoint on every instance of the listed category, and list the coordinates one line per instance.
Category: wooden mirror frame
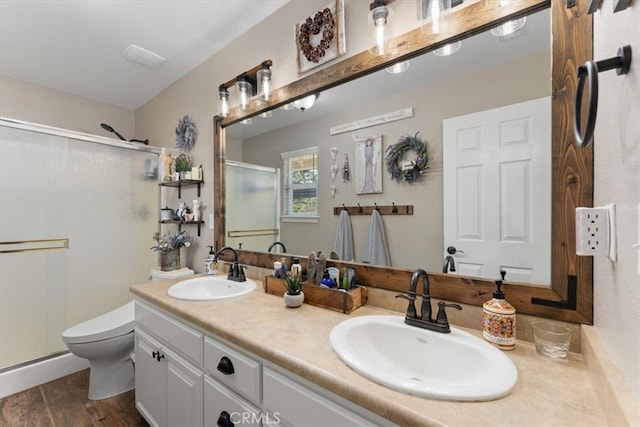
(570, 296)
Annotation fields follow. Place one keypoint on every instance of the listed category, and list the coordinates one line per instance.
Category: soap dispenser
(499, 319)
(210, 263)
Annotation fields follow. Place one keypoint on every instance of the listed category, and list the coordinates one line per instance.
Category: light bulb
(263, 77)
(380, 16)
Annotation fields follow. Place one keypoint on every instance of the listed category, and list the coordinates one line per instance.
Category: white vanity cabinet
(169, 387)
(187, 377)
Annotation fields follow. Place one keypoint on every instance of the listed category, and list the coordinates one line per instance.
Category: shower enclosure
(77, 217)
(252, 203)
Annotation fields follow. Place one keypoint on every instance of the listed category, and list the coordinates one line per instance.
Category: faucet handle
(411, 309)
(441, 318)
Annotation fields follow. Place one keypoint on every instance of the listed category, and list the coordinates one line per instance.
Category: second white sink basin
(210, 288)
(454, 366)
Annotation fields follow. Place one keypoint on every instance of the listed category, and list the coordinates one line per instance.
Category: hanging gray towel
(343, 244)
(375, 249)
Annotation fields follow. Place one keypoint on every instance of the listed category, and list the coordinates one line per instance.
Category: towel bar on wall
(589, 70)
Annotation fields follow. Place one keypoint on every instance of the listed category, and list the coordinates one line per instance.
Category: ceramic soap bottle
(499, 319)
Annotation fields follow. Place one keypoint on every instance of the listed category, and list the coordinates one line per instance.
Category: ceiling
(75, 46)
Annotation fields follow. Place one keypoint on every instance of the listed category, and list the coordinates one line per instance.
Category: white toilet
(107, 342)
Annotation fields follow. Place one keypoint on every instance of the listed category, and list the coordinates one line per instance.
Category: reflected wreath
(410, 171)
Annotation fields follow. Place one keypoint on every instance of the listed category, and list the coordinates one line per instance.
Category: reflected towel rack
(33, 245)
(392, 209)
(251, 233)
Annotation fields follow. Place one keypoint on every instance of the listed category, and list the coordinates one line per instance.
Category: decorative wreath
(186, 134)
(415, 170)
(323, 20)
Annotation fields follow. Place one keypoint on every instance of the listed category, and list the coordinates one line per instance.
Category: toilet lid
(109, 325)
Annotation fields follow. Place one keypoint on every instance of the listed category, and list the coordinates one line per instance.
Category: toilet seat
(109, 325)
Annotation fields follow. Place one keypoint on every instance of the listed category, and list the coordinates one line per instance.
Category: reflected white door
(497, 191)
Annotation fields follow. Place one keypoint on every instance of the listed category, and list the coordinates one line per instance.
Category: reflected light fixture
(306, 102)
(448, 49)
(381, 27)
(266, 114)
(247, 121)
(436, 15)
(508, 27)
(398, 67)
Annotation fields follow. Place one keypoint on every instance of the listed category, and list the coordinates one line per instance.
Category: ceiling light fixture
(256, 81)
(143, 56)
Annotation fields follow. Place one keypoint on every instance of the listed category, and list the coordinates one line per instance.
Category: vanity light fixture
(256, 81)
(380, 14)
(244, 90)
(306, 102)
(224, 101)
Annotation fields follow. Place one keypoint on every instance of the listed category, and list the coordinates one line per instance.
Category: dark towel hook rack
(589, 70)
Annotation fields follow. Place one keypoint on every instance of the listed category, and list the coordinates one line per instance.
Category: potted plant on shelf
(293, 297)
(169, 247)
(182, 165)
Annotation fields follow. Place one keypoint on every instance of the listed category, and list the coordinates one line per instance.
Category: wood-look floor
(64, 403)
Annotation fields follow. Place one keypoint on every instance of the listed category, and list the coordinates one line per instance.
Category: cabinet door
(150, 380)
(184, 392)
(221, 406)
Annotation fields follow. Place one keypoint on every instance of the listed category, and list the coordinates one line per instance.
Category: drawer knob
(225, 366)
(224, 420)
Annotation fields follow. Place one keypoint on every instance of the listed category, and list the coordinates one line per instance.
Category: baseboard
(32, 375)
(618, 404)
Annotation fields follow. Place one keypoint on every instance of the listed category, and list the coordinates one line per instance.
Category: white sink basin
(210, 288)
(454, 366)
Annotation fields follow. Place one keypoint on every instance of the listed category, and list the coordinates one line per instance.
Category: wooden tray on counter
(333, 299)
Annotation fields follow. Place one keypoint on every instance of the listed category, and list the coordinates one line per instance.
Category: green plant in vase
(182, 164)
(293, 297)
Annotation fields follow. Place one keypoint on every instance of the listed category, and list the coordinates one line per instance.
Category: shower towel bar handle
(589, 71)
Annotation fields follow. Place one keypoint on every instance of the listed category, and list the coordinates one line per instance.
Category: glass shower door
(252, 205)
(76, 223)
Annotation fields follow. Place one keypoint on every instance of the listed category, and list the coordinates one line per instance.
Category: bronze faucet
(236, 271)
(441, 323)
(274, 244)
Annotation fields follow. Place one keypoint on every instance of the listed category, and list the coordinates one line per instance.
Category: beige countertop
(548, 393)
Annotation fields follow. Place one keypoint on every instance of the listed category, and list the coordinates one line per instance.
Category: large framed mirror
(566, 293)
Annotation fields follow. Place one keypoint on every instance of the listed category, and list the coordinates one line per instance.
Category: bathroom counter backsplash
(548, 392)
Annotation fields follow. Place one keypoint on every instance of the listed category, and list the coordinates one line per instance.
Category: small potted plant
(183, 165)
(293, 297)
(169, 247)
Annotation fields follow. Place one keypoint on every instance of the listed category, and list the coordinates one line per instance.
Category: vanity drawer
(295, 404)
(219, 399)
(187, 340)
(246, 377)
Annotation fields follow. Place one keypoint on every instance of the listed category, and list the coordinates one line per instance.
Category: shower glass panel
(76, 223)
(252, 203)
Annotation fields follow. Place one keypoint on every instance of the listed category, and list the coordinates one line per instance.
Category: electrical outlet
(592, 231)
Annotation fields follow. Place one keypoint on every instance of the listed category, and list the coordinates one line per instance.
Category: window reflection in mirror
(486, 73)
